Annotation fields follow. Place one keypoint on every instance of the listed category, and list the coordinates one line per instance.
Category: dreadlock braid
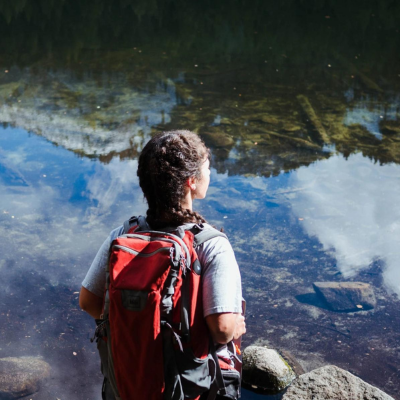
(167, 161)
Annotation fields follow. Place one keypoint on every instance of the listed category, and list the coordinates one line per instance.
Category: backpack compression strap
(201, 234)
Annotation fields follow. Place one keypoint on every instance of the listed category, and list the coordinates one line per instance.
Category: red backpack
(157, 342)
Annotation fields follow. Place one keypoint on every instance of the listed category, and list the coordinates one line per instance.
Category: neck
(187, 201)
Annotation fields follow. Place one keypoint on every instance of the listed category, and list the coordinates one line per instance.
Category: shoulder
(103, 251)
(115, 233)
(218, 245)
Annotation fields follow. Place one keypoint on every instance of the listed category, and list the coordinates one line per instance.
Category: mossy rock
(266, 369)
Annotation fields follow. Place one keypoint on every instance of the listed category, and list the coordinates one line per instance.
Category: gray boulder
(266, 369)
(21, 376)
(332, 383)
(346, 296)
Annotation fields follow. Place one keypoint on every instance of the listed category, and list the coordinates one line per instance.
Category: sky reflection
(350, 205)
(56, 208)
(68, 203)
(352, 208)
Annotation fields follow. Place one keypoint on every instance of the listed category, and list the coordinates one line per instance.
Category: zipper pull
(183, 266)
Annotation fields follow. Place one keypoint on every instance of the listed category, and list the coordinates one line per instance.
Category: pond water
(300, 105)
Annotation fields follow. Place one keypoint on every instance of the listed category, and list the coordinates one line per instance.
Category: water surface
(77, 105)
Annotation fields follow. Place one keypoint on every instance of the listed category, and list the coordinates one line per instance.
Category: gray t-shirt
(221, 282)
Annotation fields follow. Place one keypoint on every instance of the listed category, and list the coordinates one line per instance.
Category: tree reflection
(269, 87)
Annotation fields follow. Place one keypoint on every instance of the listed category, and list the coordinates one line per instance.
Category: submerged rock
(217, 138)
(266, 369)
(332, 383)
(292, 361)
(21, 376)
(346, 296)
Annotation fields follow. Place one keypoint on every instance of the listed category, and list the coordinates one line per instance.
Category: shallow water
(297, 208)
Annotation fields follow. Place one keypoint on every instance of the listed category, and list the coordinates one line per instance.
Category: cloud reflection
(60, 206)
(353, 209)
(109, 183)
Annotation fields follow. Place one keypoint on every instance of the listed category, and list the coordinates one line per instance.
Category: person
(173, 171)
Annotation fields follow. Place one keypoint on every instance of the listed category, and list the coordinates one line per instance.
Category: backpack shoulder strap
(201, 234)
(133, 221)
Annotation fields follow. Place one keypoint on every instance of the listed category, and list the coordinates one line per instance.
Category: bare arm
(90, 303)
(226, 326)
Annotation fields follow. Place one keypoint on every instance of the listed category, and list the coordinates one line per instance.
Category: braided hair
(167, 161)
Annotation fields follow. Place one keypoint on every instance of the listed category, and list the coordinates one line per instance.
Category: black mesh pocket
(231, 378)
(196, 374)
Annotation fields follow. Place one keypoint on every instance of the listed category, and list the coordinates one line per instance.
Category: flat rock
(332, 383)
(346, 296)
(21, 376)
(266, 369)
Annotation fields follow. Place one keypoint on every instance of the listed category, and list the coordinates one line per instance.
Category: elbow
(223, 333)
(222, 337)
(82, 304)
(90, 303)
(222, 327)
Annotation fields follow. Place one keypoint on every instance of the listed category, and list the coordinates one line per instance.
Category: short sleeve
(221, 281)
(95, 279)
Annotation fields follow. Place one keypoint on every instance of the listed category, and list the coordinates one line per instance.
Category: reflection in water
(299, 104)
(108, 184)
(352, 208)
(56, 209)
(262, 131)
(281, 35)
(104, 120)
(55, 191)
(373, 115)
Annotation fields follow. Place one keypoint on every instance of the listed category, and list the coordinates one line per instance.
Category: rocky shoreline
(265, 371)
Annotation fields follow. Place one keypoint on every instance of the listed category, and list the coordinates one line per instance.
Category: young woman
(173, 171)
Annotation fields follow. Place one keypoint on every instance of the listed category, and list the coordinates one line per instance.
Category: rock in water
(214, 137)
(21, 376)
(332, 383)
(346, 296)
(266, 369)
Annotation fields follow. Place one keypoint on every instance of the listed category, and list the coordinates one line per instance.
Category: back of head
(166, 163)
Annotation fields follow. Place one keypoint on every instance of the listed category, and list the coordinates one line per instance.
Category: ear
(191, 183)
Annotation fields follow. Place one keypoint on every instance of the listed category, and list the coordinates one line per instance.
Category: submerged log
(366, 80)
(301, 142)
(312, 116)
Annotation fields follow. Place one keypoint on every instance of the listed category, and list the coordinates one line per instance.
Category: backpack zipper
(138, 253)
(175, 239)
